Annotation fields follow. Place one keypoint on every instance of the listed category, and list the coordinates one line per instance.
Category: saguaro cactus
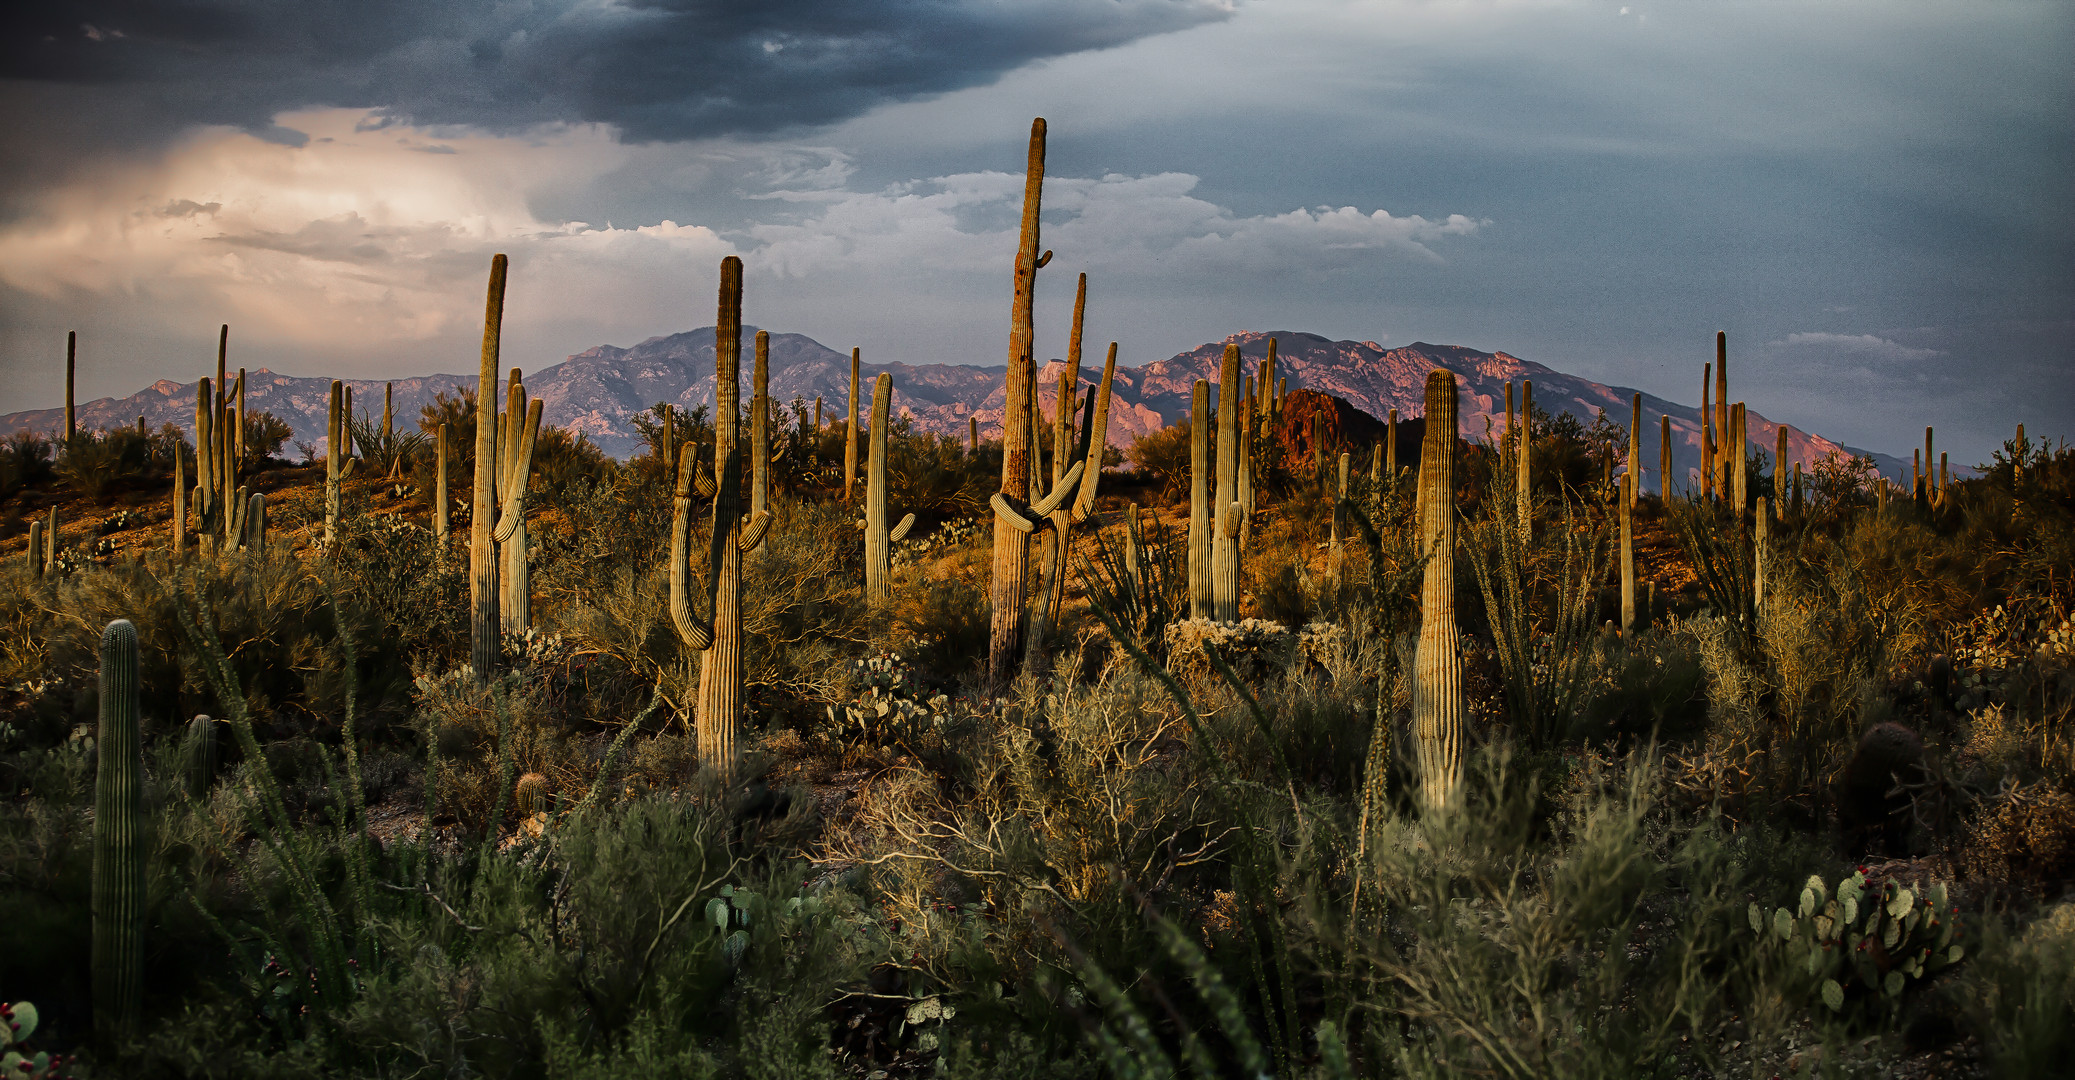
(1707, 432)
(514, 476)
(1779, 475)
(1074, 504)
(198, 756)
(483, 642)
(879, 540)
(1759, 559)
(179, 504)
(1723, 435)
(1012, 542)
(1628, 556)
(1199, 501)
(36, 556)
(1437, 682)
(338, 459)
(440, 504)
(1333, 553)
(1227, 513)
(71, 359)
(719, 640)
(50, 542)
(256, 522)
(1390, 450)
(1524, 495)
(1635, 451)
(760, 455)
(850, 431)
(118, 890)
(1735, 445)
(1664, 456)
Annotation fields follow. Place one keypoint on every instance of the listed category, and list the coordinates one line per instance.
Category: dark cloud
(656, 69)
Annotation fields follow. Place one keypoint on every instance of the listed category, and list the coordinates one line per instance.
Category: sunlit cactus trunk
(1073, 506)
(1707, 432)
(338, 462)
(1226, 513)
(1664, 456)
(1524, 495)
(1779, 475)
(1628, 557)
(256, 522)
(514, 476)
(879, 540)
(440, 498)
(760, 426)
(1010, 572)
(850, 430)
(483, 638)
(1199, 501)
(37, 559)
(1738, 456)
(1333, 552)
(118, 889)
(1390, 451)
(1635, 452)
(179, 506)
(1760, 557)
(1437, 687)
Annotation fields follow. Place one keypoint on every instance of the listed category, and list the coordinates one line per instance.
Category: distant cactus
(1664, 456)
(1628, 557)
(1887, 755)
(1523, 494)
(1724, 460)
(483, 635)
(440, 498)
(118, 889)
(1635, 453)
(1437, 686)
(879, 540)
(1333, 553)
(1199, 501)
(530, 796)
(1779, 475)
(71, 358)
(850, 430)
(1707, 433)
(1390, 451)
(179, 505)
(1738, 460)
(760, 426)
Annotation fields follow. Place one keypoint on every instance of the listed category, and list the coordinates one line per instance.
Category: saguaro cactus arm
(1030, 517)
(695, 632)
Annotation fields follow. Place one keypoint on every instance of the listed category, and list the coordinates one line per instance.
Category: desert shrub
(930, 474)
(386, 453)
(1140, 580)
(2019, 992)
(1163, 457)
(396, 571)
(940, 620)
(1654, 689)
(25, 461)
(561, 461)
(2023, 838)
(96, 463)
(481, 732)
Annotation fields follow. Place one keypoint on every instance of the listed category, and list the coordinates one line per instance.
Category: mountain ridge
(598, 391)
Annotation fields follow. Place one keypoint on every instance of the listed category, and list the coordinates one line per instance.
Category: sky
(1875, 201)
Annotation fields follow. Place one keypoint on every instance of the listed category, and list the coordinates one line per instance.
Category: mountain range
(598, 391)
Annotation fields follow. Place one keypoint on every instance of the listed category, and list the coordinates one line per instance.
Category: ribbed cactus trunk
(1437, 681)
(879, 540)
(334, 462)
(119, 842)
(206, 495)
(1797, 487)
(514, 477)
(179, 504)
(1390, 451)
(71, 361)
(1707, 432)
(720, 666)
(1333, 552)
(760, 426)
(1199, 501)
(238, 428)
(1760, 556)
(36, 556)
(1006, 591)
(198, 756)
(1226, 513)
(50, 542)
(1664, 456)
(483, 643)
(1628, 557)
(1635, 452)
(1524, 493)
(1723, 435)
(972, 434)
(850, 430)
(256, 522)
(440, 498)
(1779, 475)
(1738, 457)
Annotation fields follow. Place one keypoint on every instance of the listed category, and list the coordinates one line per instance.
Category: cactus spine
(118, 889)
(514, 474)
(1226, 512)
(719, 640)
(879, 540)
(71, 358)
(850, 431)
(1199, 501)
(1628, 556)
(1011, 540)
(482, 549)
(1437, 683)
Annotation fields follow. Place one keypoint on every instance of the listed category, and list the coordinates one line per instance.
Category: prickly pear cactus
(17, 1026)
(1864, 943)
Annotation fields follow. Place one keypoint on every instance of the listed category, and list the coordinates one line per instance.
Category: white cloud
(1878, 348)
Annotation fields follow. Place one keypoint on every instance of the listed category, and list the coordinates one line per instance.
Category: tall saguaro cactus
(1736, 450)
(1635, 452)
(1707, 432)
(338, 459)
(1012, 543)
(483, 639)
(1226, 513)
(179, 504)
(1199, 501)
(37, 562)
(440, 504)
(1779, 476)
(1628, 557)
(1073, 504)
(850, 430)
(514, 476)
(118, 890)
(1437, 680)
(760, 456)
(1723, 435)
(1664, 456)
(719, 638)
(879, 540)
(71, 360)
(1524, 496)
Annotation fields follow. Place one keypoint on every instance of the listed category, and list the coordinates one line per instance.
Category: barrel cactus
(530, 796)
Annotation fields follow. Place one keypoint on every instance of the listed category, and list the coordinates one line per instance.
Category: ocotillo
(879, 540)
(1437, 686)
(1227, 514)
(118, 889)
(514, 476)
(719, 640)
(483, 637)
(1006, 590)
(1199, 501)
(850, 431)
